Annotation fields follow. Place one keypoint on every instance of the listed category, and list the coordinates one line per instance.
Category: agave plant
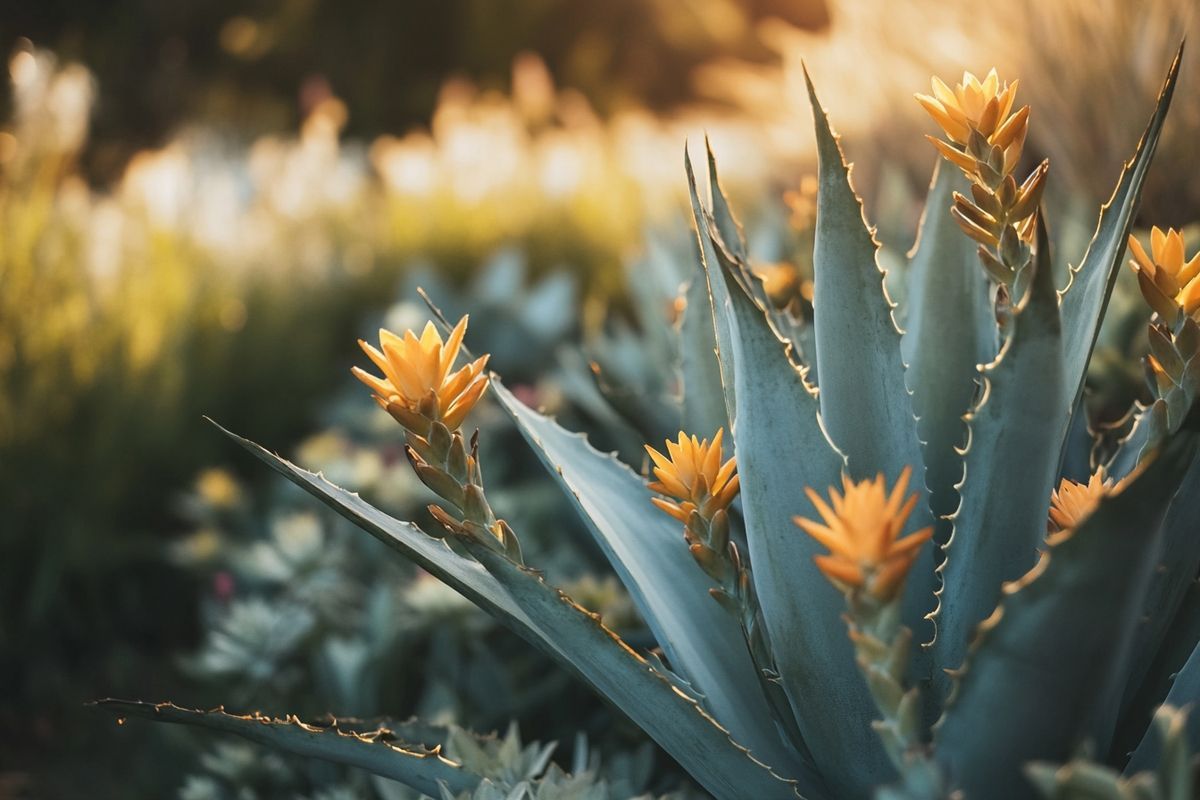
(959, 617)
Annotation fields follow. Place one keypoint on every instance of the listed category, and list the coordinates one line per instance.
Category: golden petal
(838, 570)
(380, 387)
(1158, 237)
(1172, 252)
(450, 351)
(671, 508)
(943, 93)
(955, 156)
(835, 541)
(1139, 255)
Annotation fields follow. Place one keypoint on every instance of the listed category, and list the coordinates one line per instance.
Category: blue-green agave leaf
(1148, 427)
(652, 700)
(378, 752)
(464, 575)
(1181, 639)
(1085, 298)
(1177, 681)
(702, 641)
(1176, 570)
(1058, 640)
(727, 224)
(703, 394)
(1010, 471)
(781, 448)
(950, 329)
(865, 404)
(718, 295)
(599, 657)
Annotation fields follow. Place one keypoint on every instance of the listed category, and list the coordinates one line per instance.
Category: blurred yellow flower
(1073, 502)
(218, 488)
(418, 388)
(862, 531)
(693, 474)
(1168, 281)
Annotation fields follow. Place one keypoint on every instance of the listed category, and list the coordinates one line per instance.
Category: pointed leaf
(865, 405)
(1058, 640)
(650, 699)
(671, 718)
(1010, 471)
(950, 329)
(702, 641)
(703, 393)
(781, 449)
(1175, 573)
(718, 296)
(377, 751)
(1086, 296)
(727, 225)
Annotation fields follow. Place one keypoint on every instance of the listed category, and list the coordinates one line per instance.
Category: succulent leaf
(674, 720)
(703, 394)
(377, 752)
(1085, 298)
(650, 699)
(782, 448)
(870, 420)
(1002, 518)
(950, 329)
(1027, 684)
(701, 641)
(718, 295)
(1176, 570)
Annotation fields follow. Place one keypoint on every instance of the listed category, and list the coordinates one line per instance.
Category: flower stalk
(700, 488)
(869, 561)
(985, 137)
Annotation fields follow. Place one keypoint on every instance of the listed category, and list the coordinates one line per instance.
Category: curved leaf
(718, 295)
(702, 641)
(598, 656)
(950, 329)
(652, 700)
(1174, 574)
(865, 404)
(1011, 465)
(375, 751)
(1085, 298)
(703, 394)
(781, 448)
(1058, 640)
(1183, 678)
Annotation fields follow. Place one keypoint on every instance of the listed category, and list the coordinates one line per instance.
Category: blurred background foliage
(203, 204)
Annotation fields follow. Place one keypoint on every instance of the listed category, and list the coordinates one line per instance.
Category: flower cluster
(692, 473)
(861, 526)
(1168, 280)
(1074, 502)
(985, 137)
(418, 388)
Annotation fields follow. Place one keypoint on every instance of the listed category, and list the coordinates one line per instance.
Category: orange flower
(418, 388)
(983, 106)
(693, 474)
(862, 531)
(1073, 502)
(1168, 281)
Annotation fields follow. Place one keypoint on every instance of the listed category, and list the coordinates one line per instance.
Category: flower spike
(417, 387)
(861, 527)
